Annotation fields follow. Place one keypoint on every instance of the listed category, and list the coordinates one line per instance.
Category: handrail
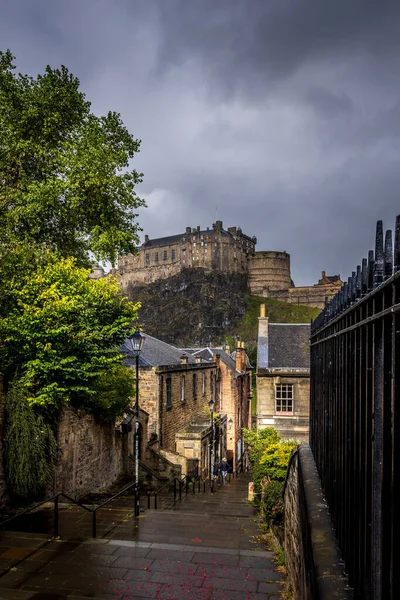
(146, 468)
(55, 499)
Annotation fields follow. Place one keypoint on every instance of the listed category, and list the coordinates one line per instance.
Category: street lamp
(135, 342)
(211, 404)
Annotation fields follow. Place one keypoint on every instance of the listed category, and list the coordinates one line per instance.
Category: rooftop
(287, 346)
(155, 353)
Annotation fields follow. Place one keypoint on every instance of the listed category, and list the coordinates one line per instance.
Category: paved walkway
(208, 547)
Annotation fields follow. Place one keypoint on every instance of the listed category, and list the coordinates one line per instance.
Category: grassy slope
(278, 312)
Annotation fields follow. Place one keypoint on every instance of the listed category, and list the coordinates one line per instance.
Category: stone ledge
(330, 581)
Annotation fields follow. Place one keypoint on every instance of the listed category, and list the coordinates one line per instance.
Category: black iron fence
(355, 412)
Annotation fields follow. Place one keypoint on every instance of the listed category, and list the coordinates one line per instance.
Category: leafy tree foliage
(62, 334)
(30, 448)
(269, 455)
(64, 172)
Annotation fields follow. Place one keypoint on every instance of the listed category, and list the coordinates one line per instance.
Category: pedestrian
(224, 466)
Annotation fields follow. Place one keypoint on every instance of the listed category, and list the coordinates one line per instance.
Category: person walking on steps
(224, 466)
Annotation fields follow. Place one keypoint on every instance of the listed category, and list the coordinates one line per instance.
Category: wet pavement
(207, 547)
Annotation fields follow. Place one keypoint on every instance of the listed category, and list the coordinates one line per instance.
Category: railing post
(194, 486)
(155, 500)
(187, 486)
(174, 490)
(180, 490)
(55, 532)
(94, 523)
(137, 501)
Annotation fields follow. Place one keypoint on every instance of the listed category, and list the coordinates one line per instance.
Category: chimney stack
(146, 238)
(188, 230)
(262, 346)
(184, 359)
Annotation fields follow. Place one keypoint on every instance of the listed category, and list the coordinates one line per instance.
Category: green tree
(65, 178)
(30, 447)
(62, 336)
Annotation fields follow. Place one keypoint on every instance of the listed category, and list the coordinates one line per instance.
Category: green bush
(273, 502)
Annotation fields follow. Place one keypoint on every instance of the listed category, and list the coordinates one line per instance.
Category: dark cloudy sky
(281, 116)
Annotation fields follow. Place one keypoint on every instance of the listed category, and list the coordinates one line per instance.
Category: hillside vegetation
(199, 307)
(278, 312)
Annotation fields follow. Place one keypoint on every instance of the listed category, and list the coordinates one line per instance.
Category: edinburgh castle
(227, 251)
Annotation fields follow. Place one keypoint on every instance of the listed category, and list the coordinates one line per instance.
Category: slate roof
(288, 346)
(155, 353)
(333, 278)
(164, 241)
(208, 354)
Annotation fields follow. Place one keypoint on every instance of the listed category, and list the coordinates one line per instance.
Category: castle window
(156, 257)
(165, 257)
(173, 255)
(168, 392)
(147, 258)
(194, 244)
(284, 399)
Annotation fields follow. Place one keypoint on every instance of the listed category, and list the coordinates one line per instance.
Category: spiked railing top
(373, 271)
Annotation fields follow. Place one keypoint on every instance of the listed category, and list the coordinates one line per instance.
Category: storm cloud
(281, 116)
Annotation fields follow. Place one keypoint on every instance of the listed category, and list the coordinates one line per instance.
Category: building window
(165, 257)
(156, 257)
(173, 255)
(194, 386)
(183, 390)
(168, 392)
(284, 399)
(203, 384)
(147, 258)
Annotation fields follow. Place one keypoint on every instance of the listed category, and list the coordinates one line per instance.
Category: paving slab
(208, 547)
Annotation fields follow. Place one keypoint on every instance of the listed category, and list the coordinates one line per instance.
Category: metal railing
(355, 418)
(55, 499)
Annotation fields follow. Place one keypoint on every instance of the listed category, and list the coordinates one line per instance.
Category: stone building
(283, 378)
(234, 395)
(212, 249)
(227, 251)
(174, 391)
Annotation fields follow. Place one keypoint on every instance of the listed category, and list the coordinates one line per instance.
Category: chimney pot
(146, 238)
(188, 229)
(262, 311)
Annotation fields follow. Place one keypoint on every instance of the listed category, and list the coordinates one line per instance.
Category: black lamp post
(136, 341)
(211, 404)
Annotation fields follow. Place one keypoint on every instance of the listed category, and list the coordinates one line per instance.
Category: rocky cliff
(199, 307)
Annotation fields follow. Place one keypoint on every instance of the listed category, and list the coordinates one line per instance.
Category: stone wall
(312, 558)
(268, 271)
(93, 454)
(295, 426)
(175, 418)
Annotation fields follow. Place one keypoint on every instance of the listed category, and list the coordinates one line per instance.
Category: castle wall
(214, 249)
(268, 271)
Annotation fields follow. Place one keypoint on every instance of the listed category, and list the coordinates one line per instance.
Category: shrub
(273, 501)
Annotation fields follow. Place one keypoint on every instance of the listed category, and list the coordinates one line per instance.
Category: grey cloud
(329, 104)
(281, 116)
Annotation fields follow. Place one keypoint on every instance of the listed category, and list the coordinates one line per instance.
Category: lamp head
(211, 404)
(136, 341)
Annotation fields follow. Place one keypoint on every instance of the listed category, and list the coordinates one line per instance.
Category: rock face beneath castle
(223, 251)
